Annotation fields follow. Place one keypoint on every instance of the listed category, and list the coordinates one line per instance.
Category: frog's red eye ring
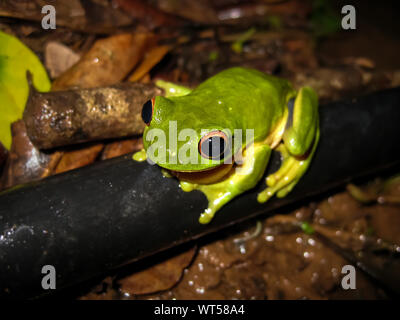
(147, 111)
(214, 145)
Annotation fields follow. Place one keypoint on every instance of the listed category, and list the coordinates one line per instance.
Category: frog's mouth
(208, 176)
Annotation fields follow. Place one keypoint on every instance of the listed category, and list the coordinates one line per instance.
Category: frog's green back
(238, 98)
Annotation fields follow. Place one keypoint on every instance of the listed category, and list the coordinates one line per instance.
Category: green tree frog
(233, 120)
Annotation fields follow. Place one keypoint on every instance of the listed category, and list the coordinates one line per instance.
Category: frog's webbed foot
(215, 199)
(288, 175)
(217, 195)
(140, 155)
(214, 205)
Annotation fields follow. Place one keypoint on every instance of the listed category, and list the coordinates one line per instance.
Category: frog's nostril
(147, 112)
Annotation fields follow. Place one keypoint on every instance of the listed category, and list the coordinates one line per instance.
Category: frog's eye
(147, 111)
(213, 145)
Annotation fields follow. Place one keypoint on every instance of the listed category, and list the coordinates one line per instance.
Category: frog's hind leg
(288, 175)
(300, 141)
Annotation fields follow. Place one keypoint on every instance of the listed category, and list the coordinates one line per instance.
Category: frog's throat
(192, 171)
(208, 176)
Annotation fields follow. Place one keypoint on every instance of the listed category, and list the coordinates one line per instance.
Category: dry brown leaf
(198, 11)
(159, 277)
(107, 62)
(148, 15)
(153, 57)
(89, 16)
(121, 147)
(79, 157)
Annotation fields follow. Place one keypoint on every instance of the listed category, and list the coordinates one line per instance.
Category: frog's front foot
(213, 206)
(215, 202)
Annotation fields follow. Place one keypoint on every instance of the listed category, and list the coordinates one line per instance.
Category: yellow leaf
(15, 60)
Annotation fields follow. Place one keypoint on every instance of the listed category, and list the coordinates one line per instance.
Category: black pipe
(93, 219)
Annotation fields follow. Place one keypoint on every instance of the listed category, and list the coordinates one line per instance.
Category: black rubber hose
(87, 221)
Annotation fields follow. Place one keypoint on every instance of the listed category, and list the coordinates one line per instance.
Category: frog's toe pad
(271, 180)
(285, 190)
(267, 193)
(206, 216)
(263, 196)
(289, 170)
